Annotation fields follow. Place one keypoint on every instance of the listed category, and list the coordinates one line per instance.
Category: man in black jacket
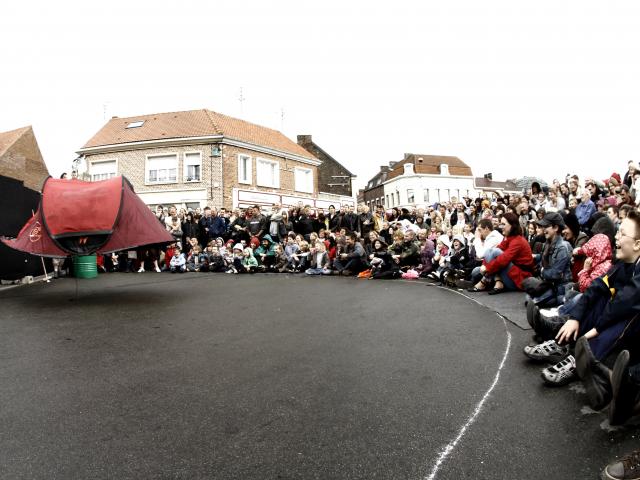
(350, 220)
(303, 223)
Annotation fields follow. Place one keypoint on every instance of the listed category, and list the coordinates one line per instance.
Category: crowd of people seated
(572, 247)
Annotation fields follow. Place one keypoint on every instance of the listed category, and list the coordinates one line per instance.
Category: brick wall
(222, 171)
(23, 161)
(131, 164)
(330, 172)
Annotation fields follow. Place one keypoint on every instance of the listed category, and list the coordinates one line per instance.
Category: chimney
(488, 176)
(407, 155)
(304, 139)
(408, 168)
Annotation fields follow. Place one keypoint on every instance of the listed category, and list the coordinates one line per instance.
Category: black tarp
(16, 204)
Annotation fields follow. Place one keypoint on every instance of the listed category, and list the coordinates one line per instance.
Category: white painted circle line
(452, 445)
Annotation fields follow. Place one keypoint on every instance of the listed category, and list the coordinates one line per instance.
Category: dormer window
(444, 169)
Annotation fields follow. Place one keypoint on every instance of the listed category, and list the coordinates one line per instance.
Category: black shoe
(532, 312)
(627, 468)
(624, 391)
(595, 376)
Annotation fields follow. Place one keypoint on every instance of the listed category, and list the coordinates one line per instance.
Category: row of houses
(423, 180)
(200, 157)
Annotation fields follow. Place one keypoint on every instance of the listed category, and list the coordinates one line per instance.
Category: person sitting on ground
(178, 262)
(406, 254)
(352, 260)
(382, 266)
(604, 323)
(555, 264)
(216, 260)
(193, 260)
(319, 263)
(598, 260)
(290, 249)
(265, 254)
(249, 262)
(510, 263)
(281, 260)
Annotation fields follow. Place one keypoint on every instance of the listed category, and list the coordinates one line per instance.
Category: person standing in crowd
(628, 176)
(365, 222)
(333, 219)
(190, 228)
(585, 208)
(274, 223)
(349, 220)
(218, 226)
(205, 225)
(303, 223)
(256, 222)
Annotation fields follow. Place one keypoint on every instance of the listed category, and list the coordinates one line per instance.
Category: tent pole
(44, 269)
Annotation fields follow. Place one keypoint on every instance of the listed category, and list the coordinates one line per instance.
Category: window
(103, 170)
(136, 124)
(426, 195)
(303, 180)
(193, 167)
(444, 169)
(267, 173)
(410, 196)
(244, 169)
(387, 199)
(162, 169)
(398, 198)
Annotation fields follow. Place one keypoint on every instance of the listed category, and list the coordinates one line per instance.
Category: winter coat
(584, 211)
(516, 250)
(599, 250)
(178, 261)
(556, 261)
(427, 253)
(261, 250)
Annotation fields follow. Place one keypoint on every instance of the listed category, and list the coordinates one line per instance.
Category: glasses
(618, 234)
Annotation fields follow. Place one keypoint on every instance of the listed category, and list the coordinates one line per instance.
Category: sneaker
(158, 270)
(141, 270)
(549, 312)
(548, 351)
(624, 391)
(561, 373)
(627, 468)
(595, 376)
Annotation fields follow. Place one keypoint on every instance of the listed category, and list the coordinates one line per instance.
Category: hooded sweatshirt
(599, 250)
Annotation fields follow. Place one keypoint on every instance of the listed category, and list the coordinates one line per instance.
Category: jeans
(491, 254)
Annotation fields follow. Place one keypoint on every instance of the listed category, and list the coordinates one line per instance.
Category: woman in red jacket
(510, 262)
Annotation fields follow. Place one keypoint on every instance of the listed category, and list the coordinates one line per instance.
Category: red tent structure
(82, 218)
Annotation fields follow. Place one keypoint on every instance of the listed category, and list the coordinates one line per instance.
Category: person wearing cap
(554, 261)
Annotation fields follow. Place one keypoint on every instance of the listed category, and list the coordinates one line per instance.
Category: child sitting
(177, 263)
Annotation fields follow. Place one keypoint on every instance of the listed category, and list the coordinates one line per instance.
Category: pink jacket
(599, 250)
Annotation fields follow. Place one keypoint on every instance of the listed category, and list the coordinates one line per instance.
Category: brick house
(200, 157)
(333, 177)
(21, 159)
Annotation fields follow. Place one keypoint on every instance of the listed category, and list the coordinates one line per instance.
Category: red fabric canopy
(80, 218)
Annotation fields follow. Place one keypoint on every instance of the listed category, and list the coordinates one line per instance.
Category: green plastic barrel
(84, 266)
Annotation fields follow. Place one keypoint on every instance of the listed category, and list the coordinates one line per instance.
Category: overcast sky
(510, 87)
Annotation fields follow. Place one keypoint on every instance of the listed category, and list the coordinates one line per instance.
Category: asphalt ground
(217, 376)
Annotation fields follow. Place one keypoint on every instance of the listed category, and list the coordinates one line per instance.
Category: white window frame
(146, 168)
(185, 165)
(260, 182)
(249, 179)
(308, 171)
(425, 196)
(105, 160)
(411, 195)
(444, 169)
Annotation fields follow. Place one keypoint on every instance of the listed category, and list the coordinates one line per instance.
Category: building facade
(196, 158)
(333, 177)
(420, 180)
